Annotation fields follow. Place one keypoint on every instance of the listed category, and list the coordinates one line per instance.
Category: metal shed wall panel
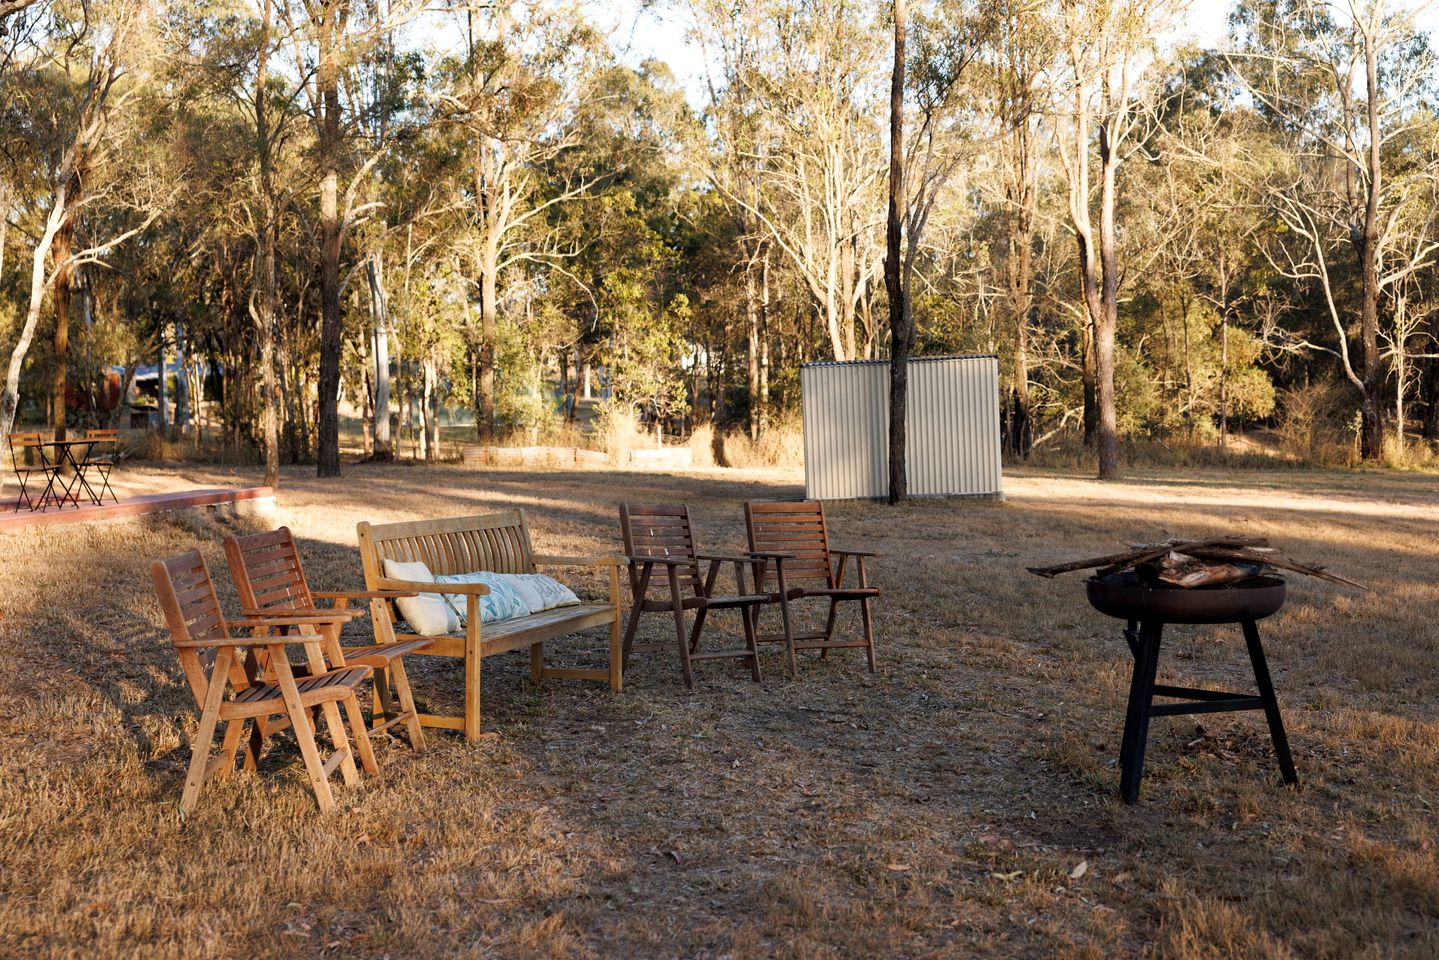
(952, 420)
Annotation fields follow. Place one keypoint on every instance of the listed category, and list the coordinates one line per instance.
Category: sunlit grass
(937, 808)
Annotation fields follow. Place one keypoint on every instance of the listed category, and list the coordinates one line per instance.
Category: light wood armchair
(270, 579)
(227, 674)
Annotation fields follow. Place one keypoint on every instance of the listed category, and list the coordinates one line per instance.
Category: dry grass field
(940, 808)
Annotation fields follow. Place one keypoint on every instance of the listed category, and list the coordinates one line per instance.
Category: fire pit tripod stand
(1147, 611)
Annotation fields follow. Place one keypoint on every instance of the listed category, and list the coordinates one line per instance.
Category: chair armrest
(559, 561)
(667, 561)
(318, 614)
(361, 594)
(854, 553)
(214, 642)
(286, 620)
(465, 589)
(770, 554)
(726, 558)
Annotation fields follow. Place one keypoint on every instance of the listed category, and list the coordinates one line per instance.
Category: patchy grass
(938, 808)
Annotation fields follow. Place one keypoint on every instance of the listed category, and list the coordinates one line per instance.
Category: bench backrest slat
(497, 542)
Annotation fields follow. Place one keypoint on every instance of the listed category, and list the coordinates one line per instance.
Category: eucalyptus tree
(1345, 82)
(87, 66)
(1108, 45)
(815, 77)
(948, 35)
(512, 101)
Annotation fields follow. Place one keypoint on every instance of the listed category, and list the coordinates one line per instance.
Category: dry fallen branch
(1196, 563)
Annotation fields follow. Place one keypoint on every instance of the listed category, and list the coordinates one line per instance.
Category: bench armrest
(465, 589)
(559, 561)
(361, 594)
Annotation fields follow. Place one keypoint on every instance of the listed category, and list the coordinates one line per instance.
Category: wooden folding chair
(270, 579)
(662, 536)
(794, 539)
(104, 461)
(44, 472)
(257, 669)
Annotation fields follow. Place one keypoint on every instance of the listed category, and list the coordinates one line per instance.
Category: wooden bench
(498, 543)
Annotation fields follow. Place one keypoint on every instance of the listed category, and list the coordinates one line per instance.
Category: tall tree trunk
(901, 330)
(751, 316)
(380, 312)
(265, 297)
(331, 317)
(488, 297)
(60, 297)
(1371, 445)
(764, 344)
(1107, 323)
(182, 380)
(1020, 274)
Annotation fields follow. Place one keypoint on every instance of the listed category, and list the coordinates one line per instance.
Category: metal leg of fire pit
(1141, 696)
(1271, 703)
(1144, 644)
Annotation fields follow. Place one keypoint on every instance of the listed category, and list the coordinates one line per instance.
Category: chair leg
(205, 735)
(407, 704)
(234, 729)
(748, 615)
(868, 630)
(339, 742)
(788, 635)
(314, 766)
(685, 668)
(829, 628)
(537, 662)
(695, 631)
(362, 735)
(384, 706)
(200, 756)
(255, 746)
(631, 628)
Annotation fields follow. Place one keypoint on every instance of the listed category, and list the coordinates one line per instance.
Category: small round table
(1147, 610)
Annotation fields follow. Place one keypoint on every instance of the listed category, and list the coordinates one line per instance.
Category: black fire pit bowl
(1121, 595)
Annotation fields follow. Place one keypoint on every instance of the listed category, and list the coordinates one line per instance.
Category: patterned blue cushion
(502, 603)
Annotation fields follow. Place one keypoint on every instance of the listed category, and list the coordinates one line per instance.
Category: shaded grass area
(938, 808)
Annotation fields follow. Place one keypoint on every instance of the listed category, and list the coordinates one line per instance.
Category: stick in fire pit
(1195, 563)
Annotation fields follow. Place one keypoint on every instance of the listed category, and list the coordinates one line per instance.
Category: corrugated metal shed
(952, 434)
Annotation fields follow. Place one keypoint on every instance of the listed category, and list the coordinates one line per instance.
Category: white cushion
(427, 613)
(503, 602)
(541, 592)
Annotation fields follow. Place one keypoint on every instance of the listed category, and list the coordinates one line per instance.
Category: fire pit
(1148, 610)
(1188, 582)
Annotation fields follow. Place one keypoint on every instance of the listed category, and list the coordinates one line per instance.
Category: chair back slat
(267, 571)
(795, 528)
(659, 530)
(192, 612)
